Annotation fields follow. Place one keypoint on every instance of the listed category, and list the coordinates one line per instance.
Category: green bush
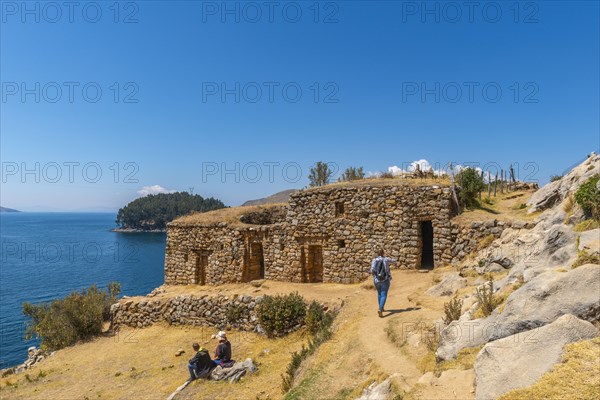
(79, 316)
(234, 313)
(588, 197)
(486, 299)
(278, 314)
(555, 178)
(317, 318)
(471, 183)
(320, 174)
(452, 310)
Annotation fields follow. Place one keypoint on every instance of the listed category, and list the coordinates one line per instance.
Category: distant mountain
(4, 209)
(279, 197)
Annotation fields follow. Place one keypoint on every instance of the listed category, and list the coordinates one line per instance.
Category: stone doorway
(201, 267)
(312, 264)
(426, 231)
(255, 263)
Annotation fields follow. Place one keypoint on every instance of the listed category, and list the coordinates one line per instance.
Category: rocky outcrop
(520, 360)
(555, 192)
(548, 296)
(448, 286)
(34, 356)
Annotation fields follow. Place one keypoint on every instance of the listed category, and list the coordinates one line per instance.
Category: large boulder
(464, 333)
(555, 192)
(448, 286)
(520, 360)
(547, 297)
(376, 391)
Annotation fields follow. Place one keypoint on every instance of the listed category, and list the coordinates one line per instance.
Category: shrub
(79, 316)
(234, 313)
(471, 183)
(554, 178)
(486, 299)
(386, 175)
(352, 174)
(452, 310)
(588, 197)
(314, 317)
(279, 314)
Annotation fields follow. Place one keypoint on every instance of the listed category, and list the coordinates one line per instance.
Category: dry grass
(577, 377)
(504, 207)
(586, 225)
(230, 215)
(465, 360)
(142, 364)
(396, 181)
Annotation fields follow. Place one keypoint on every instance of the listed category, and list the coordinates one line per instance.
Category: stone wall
(329, 234)
(202, 310)
(468, 239)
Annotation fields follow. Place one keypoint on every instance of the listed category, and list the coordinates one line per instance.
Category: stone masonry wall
(340, 226)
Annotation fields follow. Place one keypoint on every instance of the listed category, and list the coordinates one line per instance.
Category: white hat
(220, 335)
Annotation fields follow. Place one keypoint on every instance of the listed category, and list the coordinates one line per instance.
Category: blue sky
(382, 84)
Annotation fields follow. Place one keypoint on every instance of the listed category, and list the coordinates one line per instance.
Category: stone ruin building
(325, 234)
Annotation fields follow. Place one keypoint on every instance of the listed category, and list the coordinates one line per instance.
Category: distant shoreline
(133, 230)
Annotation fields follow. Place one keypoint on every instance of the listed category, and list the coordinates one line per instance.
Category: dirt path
(372, 329)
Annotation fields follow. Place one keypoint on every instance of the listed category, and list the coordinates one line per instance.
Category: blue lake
(45, 256)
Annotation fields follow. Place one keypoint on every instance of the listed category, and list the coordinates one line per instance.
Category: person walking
(382, 276)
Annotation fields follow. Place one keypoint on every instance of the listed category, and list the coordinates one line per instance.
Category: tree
(155, 211)
(320, 174)
(352, 174)
(471, 184)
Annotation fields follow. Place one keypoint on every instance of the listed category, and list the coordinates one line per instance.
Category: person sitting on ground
(223, 350)
(201, 364)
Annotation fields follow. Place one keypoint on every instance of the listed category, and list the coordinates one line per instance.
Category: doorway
(426, 245)
(312, 264)
(255, 264)
(201, 267)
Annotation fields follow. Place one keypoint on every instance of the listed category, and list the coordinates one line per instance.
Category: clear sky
(160, 96)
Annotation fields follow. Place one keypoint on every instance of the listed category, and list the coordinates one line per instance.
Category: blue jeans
(192, 369)
(382, 291)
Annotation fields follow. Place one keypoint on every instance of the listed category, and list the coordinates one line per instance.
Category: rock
(179, 352)
(491, 267)
(555, 192)
(383, 391)
(465, 333)
(234, 373)
(448, 286)
(590, 241)
(547, 297)
(427, 379)
(520, 360)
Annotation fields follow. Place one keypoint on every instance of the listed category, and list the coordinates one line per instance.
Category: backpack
(380, 271)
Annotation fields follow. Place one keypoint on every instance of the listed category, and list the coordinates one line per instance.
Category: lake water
(45, 256)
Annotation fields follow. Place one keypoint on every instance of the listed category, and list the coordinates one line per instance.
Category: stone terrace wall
(202, 310)
(467, 239)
